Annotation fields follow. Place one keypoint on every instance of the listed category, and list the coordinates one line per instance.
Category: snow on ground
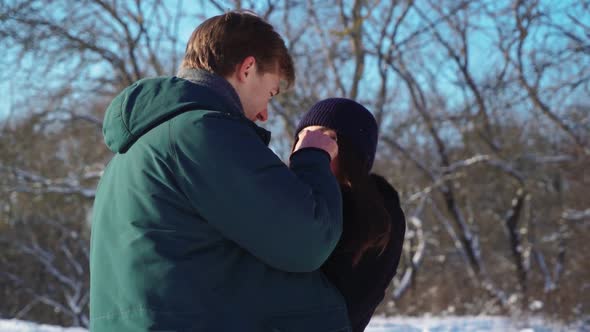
(381, 324)
(464, 324)
(14, 325)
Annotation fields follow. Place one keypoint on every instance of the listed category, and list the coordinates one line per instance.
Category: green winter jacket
(198, 226)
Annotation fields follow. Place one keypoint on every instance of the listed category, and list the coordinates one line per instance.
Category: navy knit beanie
(348, 118)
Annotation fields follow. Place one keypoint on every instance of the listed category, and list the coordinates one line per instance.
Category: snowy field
(378, 324)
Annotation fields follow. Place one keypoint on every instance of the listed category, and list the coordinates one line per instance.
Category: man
(197, 225)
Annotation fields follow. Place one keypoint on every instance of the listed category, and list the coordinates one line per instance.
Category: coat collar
(223, 88)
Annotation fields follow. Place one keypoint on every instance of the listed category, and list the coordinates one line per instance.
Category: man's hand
(318, 137)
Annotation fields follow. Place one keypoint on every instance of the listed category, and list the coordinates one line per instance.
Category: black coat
(364, 285)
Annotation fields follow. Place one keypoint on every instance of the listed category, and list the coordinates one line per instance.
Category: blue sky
(5, 101)
(481, 53)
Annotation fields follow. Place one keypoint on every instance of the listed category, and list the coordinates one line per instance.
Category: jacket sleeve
(288, 217)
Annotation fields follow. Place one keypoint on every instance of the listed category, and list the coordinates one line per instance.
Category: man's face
(255, 88)
(257, 93)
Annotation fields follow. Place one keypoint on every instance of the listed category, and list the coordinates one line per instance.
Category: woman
(367, 256)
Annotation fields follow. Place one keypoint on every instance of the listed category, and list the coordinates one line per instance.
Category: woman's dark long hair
(368, 226)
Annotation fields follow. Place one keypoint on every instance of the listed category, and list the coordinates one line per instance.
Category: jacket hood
(150, 102)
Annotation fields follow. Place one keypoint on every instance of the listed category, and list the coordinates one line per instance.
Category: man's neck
(218, 83)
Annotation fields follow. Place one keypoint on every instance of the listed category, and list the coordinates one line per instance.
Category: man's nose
(262, 116)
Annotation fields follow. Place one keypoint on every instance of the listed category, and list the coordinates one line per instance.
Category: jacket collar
(223, 88)
(218, 84)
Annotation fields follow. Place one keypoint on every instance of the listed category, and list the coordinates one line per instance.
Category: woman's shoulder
(387, 190)
(392, 203)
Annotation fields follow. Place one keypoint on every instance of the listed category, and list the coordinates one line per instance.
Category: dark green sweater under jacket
(198, 226)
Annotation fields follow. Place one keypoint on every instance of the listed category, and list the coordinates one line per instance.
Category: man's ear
(246, 69)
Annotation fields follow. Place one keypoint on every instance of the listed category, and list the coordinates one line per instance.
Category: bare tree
(483, 113)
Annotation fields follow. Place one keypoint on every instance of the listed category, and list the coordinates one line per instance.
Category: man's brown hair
(222, 42)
